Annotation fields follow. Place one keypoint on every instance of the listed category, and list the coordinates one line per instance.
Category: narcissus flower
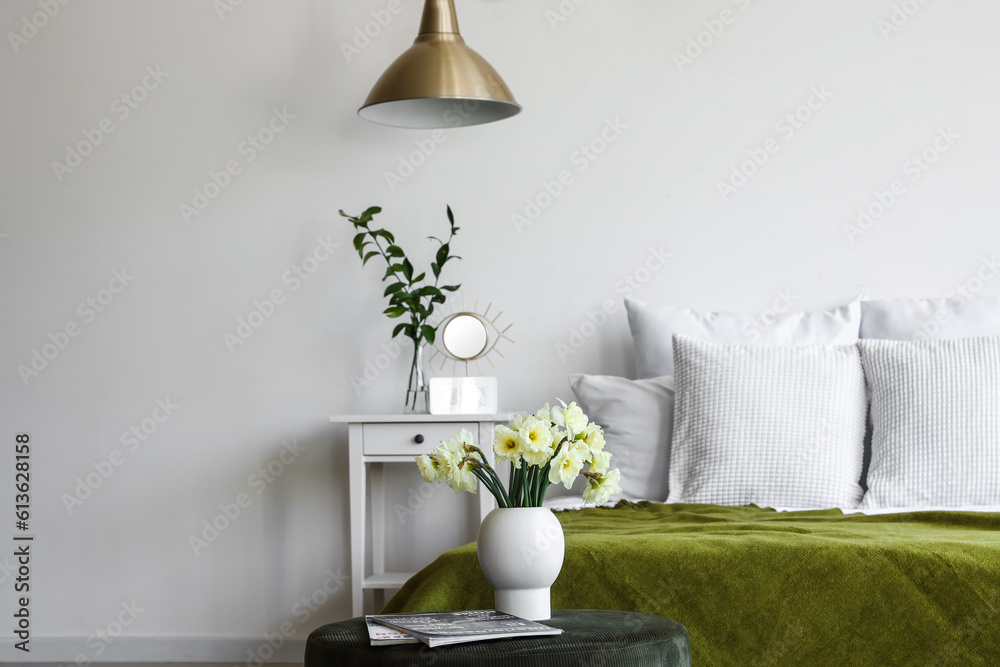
(570, 416)
(537, 438)
(428, 468)
(566, 466)
(508, 445)
(600, 462)
(594, 437)
(599, 491)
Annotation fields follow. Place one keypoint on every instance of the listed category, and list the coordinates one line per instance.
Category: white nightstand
(380, 439)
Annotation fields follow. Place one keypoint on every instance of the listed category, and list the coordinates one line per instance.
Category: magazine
(456, 627)
(382, 635)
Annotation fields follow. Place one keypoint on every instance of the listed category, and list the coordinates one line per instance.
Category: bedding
(653, 327)
(936, 416)
(758, 587)
(917, 319)
(767, 425)
(637, 415)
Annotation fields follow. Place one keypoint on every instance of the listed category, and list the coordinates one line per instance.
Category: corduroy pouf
(590, 637)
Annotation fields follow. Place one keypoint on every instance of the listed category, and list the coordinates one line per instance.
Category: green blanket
(759, 587)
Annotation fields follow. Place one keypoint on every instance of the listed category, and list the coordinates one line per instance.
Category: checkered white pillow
(936, 419)
(773, 426)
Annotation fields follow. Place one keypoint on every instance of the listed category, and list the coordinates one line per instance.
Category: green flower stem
(488, 483)
(511, 487)
(495, 485)
(543, 484)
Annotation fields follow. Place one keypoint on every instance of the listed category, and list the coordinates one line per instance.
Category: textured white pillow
(773, 426)
(637, 417)
(919, 319)
(653, 326)
(936, 416)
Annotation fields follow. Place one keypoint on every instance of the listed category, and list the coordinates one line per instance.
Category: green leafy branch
(408, 294)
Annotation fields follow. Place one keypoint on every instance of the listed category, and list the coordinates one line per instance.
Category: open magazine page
(438, 629)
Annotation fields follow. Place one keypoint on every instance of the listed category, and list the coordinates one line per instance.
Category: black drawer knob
(419, 439)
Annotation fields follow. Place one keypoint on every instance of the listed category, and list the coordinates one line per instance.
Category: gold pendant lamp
(439, 81)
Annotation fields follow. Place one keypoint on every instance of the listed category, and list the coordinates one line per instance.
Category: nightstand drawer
(411, 439)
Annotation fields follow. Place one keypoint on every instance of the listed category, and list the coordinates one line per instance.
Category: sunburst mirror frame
(494, 334)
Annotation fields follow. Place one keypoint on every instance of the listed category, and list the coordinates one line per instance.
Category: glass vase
(416, 390)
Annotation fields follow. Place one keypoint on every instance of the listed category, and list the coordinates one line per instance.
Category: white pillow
(652, 328)
(919, 319)
(773, 426)
(637, 417)
(936, 416)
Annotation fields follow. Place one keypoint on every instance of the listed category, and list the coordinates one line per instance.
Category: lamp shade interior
(432, 112)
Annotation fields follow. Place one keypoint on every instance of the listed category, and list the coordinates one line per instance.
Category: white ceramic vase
(521, 552)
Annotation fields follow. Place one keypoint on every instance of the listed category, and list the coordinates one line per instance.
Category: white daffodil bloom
(428, 468)
(566, 465)
(516, 423)
(578, 446)
(452, 467)
(507, 445)
(446, 460)
(574, 418)
(557, 436)
(537, 439)
(594, 437)
(463, 480)
(556, 415)
(600, 462)
(600, 491)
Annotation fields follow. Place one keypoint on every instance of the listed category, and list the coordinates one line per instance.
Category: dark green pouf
(590, 637)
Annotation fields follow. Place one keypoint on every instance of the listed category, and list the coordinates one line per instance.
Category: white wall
(161, 337)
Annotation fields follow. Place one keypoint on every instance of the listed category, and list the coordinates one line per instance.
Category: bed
(756, 586)
(857, 408)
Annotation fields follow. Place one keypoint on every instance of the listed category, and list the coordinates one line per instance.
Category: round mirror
(465, 336)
